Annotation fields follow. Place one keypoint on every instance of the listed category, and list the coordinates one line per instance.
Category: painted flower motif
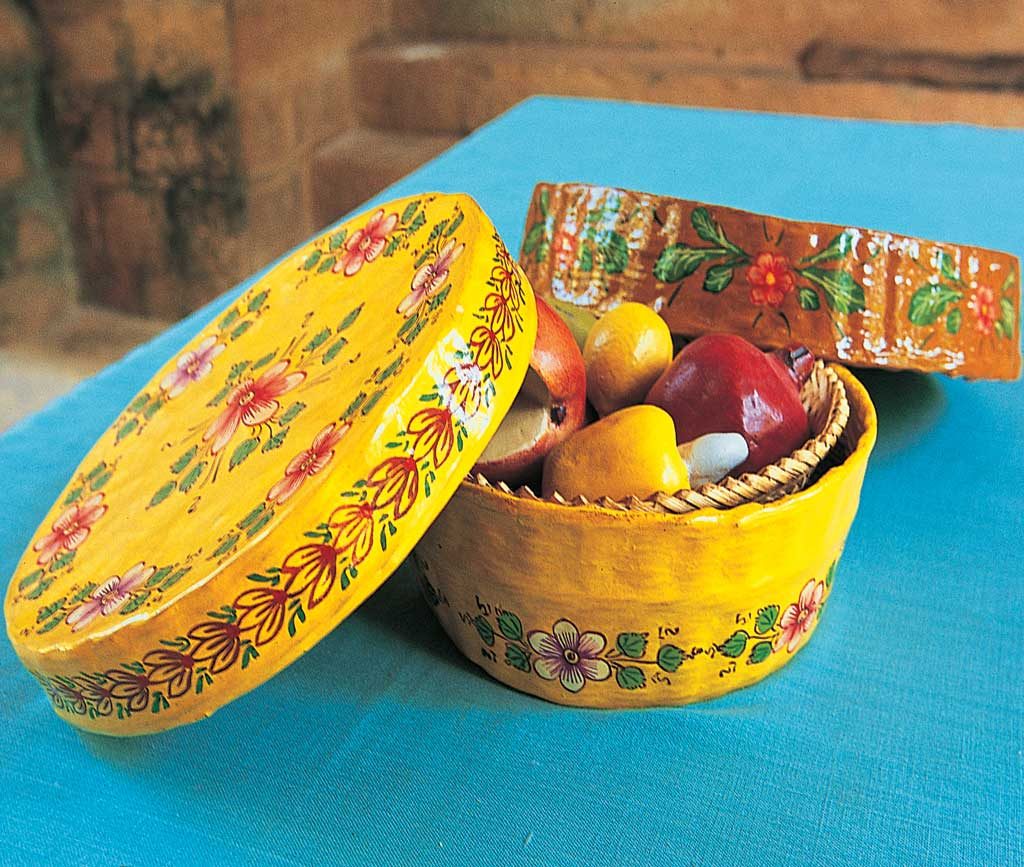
(429, 279)
(505, 278)
(569, 656)
(263, 610)
(311, 567)
(70, 695)
(397, 482)
(251, 402)
(798, 618)
(986, 309)
(308, 462)
(100, 695)
(70, 530)
(463, 388)
(564, 246)
(353, 525)
(109, 596)
(171, 669)
(502, 315)
(433, 434)
(217, 643)
(487, 350)
(771, 279)
(366, 244)
(191, 367)
(130, 687)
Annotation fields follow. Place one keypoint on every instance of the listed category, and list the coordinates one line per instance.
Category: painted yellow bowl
(597, 608)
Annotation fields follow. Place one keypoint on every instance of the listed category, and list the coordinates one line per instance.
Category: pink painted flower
(430, 278)
(109, 596)
(70, 530)
(192, 366)
(251, 403)
(307, 463)
(798, 618)
(986, 309)
(366, 244)
(569, 656)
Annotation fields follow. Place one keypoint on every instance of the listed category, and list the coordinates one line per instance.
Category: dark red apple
(551, 404)
(721, 383)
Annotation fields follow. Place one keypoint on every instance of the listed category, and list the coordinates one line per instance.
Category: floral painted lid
(859, 296)
(276, 471)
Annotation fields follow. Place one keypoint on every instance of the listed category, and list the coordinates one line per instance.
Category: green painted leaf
(237, 369)
(670, 657)
(101, 480)
(842, 293)
(337, 239)
(544, 201)
(276, 441)
(831, 574)
(435, 233)
(1007, 318)
(954, 319)
(332, 351)
(83, 593)
(30, 579)
(219, 396)
(630, 677)
(40, 588)
(252, 516)
(326, 265)
(760, 652)
(410, 209)
(256, 302)
(163, 493)
(127, 428)
(245, 448)
(372, 402)
(317, 340)
(929, 302)
(152, 409)
(241, 329)
(586, 258)
(948, 267)
(717, 278)
(51, 624)
(224, 546)
(350, 318)
(159, 576)
(312, 259)
(631, 644)
(808, 298)
(389, 371)
(614, 252)
(184, 460)
(63, 560)
(454, 225)
(533, 238)
(292, 413)
(140, 401)
(357, 402)
(260, 524)
(706, 227)
(510, 625)
(485, 630)
(136, 602)
(73, 495)
(229, 318)
(735, 644)
(48, 611)
(679, 261)
(261, 362)
(517, 657)
(191, 477)
(837, 248)
(766, 618)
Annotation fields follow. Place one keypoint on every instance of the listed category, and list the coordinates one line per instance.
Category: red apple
(549, 407)
(720, 383)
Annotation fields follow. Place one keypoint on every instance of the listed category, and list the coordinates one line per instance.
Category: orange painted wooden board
(863, 297)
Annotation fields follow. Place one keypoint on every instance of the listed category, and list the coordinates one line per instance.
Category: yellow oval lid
(276, 471)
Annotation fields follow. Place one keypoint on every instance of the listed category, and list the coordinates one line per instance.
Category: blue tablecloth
(895, 738)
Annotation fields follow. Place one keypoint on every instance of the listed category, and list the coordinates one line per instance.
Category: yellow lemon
(627, 349)
(632, 451)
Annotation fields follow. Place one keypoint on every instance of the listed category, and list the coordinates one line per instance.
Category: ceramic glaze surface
(275, 471)
(859, 296)
(626, 609)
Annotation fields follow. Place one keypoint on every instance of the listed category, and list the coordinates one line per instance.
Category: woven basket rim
(824, 396)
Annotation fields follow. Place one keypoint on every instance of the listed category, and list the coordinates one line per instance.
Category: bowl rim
(862, 413)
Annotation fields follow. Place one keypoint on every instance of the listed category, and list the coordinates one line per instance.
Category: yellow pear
(631, 451)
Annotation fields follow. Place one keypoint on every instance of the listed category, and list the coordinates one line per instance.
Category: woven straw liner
(823, 396)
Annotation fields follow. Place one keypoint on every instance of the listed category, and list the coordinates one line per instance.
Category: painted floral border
(275, 607)
(576, 657)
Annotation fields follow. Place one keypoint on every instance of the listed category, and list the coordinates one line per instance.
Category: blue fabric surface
(894, 738)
